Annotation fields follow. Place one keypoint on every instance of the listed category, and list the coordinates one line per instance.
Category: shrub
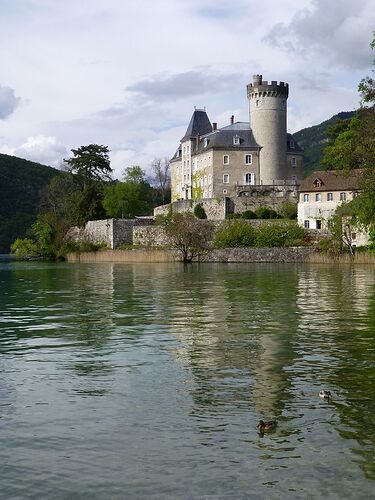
(295, 235)
(200, 212)
(266, 213)
(279, 235)
(232, 234)
(24, 248)
(270, 235)
(234, 216)
(249, 214)
(288, 210)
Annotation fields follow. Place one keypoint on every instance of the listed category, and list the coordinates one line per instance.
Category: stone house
(321, 193)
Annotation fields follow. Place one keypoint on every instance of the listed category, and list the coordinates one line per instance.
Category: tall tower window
(294, 161)
(226, 178)
(225, 159)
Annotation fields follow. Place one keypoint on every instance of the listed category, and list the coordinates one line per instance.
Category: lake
(148, 381)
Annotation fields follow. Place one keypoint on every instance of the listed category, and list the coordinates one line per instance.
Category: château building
(231, 161)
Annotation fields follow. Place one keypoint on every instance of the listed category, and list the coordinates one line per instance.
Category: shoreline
(225, 255)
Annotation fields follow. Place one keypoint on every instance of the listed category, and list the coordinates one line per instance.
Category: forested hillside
(313, 139)
(21, 186)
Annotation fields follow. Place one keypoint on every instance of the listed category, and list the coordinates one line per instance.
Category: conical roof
(199, 124)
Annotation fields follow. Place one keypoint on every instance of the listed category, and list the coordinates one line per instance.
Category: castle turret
(268, 107)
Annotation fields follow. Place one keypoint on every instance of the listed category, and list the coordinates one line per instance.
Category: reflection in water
(186, 360)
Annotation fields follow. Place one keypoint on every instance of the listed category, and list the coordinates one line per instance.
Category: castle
(241, 159)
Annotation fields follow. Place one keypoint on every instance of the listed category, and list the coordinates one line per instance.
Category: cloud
(184, 85)
(338, 32)
(42, 149)
(8, 102)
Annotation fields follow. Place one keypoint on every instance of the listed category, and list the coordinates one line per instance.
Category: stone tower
(267, 108)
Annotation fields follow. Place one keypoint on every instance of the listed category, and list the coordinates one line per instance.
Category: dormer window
(318, 183)
(291, 144)
(236, 140)
(205, 143)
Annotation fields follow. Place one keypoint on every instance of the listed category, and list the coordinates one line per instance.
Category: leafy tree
(188, 235)
(129, 198)
(353, 147)
(89, 164)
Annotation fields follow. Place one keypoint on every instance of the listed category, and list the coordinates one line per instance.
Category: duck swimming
(267, 426)
(325, 394)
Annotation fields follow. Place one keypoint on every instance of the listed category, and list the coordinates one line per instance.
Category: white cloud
(42, 149)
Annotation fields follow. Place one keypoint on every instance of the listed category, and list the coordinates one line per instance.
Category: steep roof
(199, 124)
(223, 138)
(332, 180)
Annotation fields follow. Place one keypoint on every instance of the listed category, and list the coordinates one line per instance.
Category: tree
(162, 177)
(352, 146)
(188, 235)
(89, 164)
(129, 198)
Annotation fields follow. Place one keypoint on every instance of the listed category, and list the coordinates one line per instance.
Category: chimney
(232, 119)
(214, 126)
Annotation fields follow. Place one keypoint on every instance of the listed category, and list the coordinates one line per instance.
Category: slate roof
(223, 138)
(332, 180)
(199, 124)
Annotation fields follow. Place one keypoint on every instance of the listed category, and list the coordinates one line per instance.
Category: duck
(267, 426)
(325, 394)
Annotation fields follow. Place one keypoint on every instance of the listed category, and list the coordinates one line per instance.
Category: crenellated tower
(268, 115)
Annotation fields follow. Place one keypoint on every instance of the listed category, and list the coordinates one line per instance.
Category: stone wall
(214, 207)
(152, 236)
(248, 198)
(112, 232)
(252, 197)
(244, 255)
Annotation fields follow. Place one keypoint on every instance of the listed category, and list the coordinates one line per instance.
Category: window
(257, 103)
(225, 159)
(318, 197)
(291, 144)
(205, 144)
(354, 236)
(342, 196)
(329, 196)
(306, 224)
(248, 159)
(306, 197)
(226, 178)
(236, 140)
(294, 162)
(249, 179)
(318, 224)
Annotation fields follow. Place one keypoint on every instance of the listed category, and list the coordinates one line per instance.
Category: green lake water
(147, 381)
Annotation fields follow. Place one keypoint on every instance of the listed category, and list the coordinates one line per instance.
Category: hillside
(21, 186)
(313, 140)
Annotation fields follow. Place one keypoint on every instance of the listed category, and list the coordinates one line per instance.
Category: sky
(127, 74)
